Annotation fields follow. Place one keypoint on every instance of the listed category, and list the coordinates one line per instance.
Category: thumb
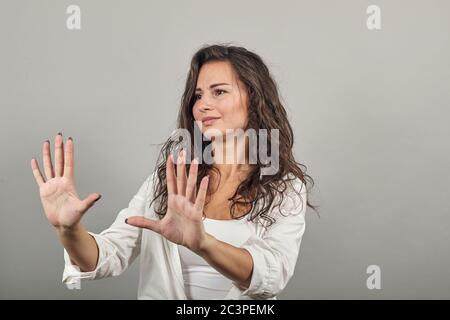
(90, 200)
(141, 222)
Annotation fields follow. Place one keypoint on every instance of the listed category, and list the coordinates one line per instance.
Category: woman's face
(220, 103)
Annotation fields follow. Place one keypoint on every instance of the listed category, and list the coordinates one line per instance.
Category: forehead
(216, 72)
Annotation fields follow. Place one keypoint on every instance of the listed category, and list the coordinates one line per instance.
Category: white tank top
(201, 281)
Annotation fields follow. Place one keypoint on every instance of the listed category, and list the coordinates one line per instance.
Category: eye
(219, 90)
(197, 96)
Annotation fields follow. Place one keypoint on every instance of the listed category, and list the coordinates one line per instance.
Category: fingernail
(70, 138)
(98, 198)
(126, 220)
(47, 141)
(195, 161)
(60, 133)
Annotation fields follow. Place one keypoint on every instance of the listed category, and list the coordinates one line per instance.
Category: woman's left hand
(182, 223)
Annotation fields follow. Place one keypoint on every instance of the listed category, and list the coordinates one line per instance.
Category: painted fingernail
(126, 220)
(47, 141)
(99, 196)
(70, 138)
(60, 133)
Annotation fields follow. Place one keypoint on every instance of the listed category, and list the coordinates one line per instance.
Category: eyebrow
(213, 86)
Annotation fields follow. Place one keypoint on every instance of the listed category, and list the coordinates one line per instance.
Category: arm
(233, 262)
(272, 257)
(263, 266)
(81, 247)
(96, 255)
(62, 205)
(183, 225)
(116, 247)
(275, 252)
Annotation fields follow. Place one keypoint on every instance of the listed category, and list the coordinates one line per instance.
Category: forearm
(233, 262)
(81, 247)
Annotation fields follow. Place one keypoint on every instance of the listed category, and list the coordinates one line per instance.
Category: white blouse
(274, 251)
(201, 281)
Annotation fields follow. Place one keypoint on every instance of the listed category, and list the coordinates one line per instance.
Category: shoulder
(289, 205)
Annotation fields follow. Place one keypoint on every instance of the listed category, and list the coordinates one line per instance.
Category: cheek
(196, 113)
(235, 117)
(243, 118)
(240, 115)
(231, 109)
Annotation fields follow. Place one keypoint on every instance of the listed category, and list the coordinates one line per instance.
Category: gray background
(370, 111)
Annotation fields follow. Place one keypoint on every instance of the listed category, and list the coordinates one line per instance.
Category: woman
(203, 229)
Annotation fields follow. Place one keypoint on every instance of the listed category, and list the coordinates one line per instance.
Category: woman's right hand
(60, 200)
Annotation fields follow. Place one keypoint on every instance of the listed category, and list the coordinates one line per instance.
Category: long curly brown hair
(265, 111)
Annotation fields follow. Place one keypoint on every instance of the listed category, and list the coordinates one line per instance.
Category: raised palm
(60, 200)
(183, 221)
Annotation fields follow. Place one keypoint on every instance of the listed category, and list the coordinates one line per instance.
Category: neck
(230, 154)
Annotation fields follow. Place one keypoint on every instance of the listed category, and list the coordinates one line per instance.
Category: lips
(209, 120)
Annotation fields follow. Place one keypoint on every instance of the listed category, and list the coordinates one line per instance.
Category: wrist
(68, 231)
(206, 245)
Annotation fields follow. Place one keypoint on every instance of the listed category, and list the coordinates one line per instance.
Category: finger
(181, 173)
(170, 176)
(195, 193)
(59, 155)
(37, 173)
(200, 201)
(68, 159)
(192, 181)
(48, 167)
(141, 222)
(89, 201)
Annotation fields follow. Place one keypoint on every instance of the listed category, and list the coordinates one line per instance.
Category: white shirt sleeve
(119, 245)
(275, 253)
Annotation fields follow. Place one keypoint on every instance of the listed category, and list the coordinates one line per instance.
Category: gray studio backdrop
(370, 111)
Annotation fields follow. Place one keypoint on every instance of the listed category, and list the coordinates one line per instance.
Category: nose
(204, 106)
